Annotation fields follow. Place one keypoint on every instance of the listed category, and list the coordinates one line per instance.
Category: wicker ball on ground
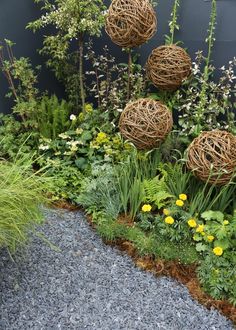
(168, 66)
(146, 123)
(130, 23)
(212, 156)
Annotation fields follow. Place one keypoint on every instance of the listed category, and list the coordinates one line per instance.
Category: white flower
(63, 136)
(72, 117)
(42, 147)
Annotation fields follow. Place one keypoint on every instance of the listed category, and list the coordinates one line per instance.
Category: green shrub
(21, 198)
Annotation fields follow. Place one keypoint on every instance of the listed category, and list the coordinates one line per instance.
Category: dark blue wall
(194, 19)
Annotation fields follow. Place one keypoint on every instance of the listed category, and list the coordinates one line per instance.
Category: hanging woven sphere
(130, 23)
(212, 156)
(146, 123)
(168, 66)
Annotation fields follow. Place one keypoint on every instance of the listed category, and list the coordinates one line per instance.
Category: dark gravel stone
(88, 285)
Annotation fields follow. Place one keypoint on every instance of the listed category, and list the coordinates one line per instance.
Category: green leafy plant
(21, 198)
(54, 117)
(22, 79)
(173, 23)
(110, 80)
(216, 271)
(73, 20)
(204, 102)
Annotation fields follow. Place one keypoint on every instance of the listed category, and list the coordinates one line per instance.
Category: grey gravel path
(89, 285)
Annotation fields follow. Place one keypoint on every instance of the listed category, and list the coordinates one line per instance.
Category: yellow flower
(192, 223)
(88, 108)
(146, 208)
(169, 220)
(210, 238)
(101, 138)
(166, 212)
(218, 251)
(200, 229)
(183, 197)
(225, 222)
(202, 233)
(179, 202)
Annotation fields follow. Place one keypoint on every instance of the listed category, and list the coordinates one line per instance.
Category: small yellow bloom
(218, 251)
(166, 212)
(183, 197)
(88, 108)
(169, 220)
(202, 233)
(192, 223)
(146, 208)
(101, 138)
(225, 222)
(200, 229)
(210, 238)
(179, 202)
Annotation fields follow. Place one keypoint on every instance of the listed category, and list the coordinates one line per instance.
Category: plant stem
(210, 41)
(129, 74)
(174, 21)
(211, 36)
(81, 75)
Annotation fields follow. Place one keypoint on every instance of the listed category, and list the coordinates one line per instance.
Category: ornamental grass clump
(21, 198)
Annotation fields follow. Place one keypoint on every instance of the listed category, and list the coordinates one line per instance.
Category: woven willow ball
(213, 154)
(168, 66)
(131, 23)
(145, 123)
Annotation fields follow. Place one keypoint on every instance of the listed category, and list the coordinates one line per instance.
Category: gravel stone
(89, 285)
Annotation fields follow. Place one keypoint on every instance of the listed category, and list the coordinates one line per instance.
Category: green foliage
(156, 191)
(53, 117)
(22, 80)
(21, 198)
(109, 81)
(67, 180)
(131, 175)
(177, 178)
(217, 276)
(14, 137)
(72, 20)
(173, 24)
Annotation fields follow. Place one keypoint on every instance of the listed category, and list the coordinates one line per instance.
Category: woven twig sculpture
(145, 123)
(212, 156)
(130, 23)
(168, 66)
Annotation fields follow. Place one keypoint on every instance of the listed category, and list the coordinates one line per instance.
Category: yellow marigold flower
(169, 220)
(200, 229)
(218, 251)
(225, 222)
(192, 223)
(210, 238)
(183, 197)
(179, 202)
(146, 208)
(166, 212)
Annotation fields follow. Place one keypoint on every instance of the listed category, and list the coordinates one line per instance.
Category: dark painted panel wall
(194, 18)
